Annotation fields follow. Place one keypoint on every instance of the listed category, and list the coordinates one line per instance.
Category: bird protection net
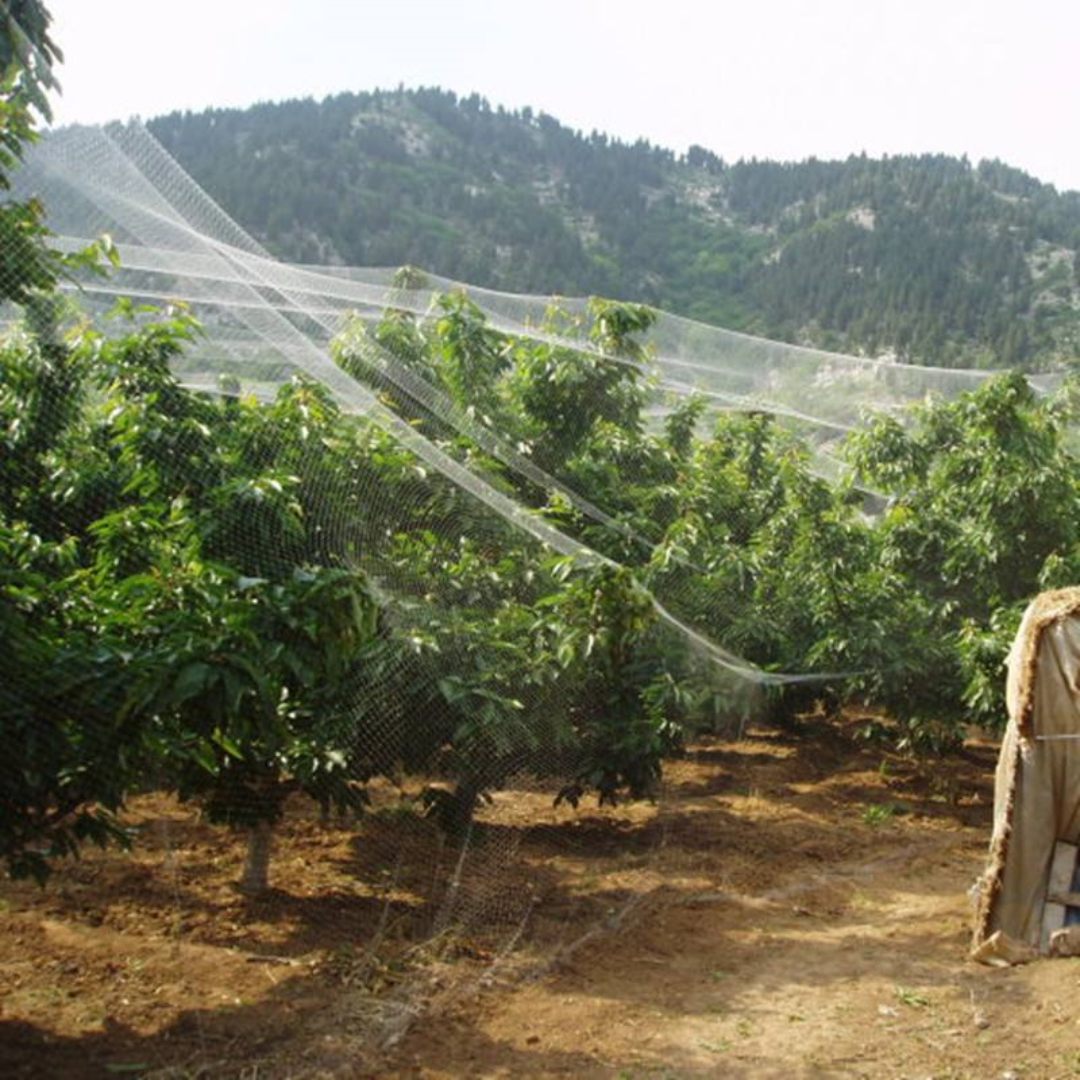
(416, 582)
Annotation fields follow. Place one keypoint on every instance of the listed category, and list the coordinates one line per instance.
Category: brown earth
(794, 907)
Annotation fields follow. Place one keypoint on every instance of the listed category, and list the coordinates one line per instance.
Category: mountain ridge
(923, 257)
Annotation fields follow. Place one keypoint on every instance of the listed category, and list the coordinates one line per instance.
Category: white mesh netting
(478, 496)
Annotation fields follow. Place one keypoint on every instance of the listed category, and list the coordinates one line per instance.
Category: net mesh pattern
(461, 743)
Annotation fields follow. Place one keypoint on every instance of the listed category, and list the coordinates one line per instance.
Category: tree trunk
(257, 868)
(463, 806)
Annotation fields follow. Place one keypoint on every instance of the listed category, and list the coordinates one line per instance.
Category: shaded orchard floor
(794, 906)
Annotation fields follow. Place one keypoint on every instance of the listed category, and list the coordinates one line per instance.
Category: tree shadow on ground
(557, 888)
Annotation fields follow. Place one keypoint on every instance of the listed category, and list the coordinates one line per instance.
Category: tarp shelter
(1037, 789)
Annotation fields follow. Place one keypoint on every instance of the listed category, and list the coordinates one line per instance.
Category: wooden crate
(1062, 907)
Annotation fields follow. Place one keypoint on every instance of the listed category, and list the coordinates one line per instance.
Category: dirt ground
(795, 906)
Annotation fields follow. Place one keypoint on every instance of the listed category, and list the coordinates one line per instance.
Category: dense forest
(930, 258)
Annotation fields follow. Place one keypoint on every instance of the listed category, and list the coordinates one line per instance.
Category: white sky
(782, 79)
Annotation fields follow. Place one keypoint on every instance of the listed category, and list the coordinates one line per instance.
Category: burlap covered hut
(1023, 898)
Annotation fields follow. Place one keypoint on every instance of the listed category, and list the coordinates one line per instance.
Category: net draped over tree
(280, 537)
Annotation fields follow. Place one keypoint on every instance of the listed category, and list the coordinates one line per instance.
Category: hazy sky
(767, 78)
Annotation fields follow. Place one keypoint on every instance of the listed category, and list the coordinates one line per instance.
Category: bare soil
(795, 906)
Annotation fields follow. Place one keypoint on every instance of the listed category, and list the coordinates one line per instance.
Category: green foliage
(28, 267)
(69, 750)
(177, 568)
(214, 637)
(26, 57)
(985, 511)
(166, 593)
(604, 624)
(250, 706)
(912, 612)
(569, 399)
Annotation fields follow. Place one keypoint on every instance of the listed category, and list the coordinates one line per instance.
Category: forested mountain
(929, 257)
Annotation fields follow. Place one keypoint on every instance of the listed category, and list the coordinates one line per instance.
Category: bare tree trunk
(257, 868)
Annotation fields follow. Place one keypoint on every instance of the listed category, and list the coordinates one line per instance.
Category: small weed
(878, 814)
(875, 732)
(719, 975)
(48, 995)
(912, 998)
(721, 1046)
(744, 1028)
(1071, 1061)
(882, 813)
